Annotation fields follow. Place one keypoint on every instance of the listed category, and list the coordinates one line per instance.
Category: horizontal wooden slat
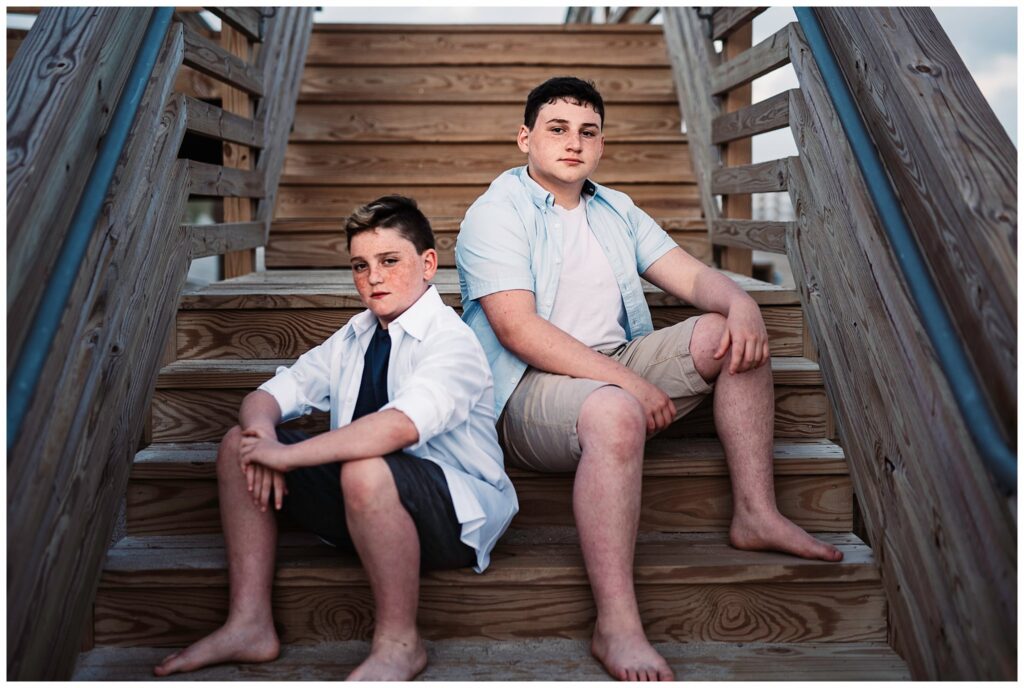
(217, 239)
(214, 180)
(760, 235)
(246, 20)
(725, 20)
(476, 84)
(762, 58)
(568, 30)
(762, 177)
(467, 163)
(340, 201)
(209, 58)
(539, 47)
(210, 120)
(462, 123)
(644, 15)
(768, 115)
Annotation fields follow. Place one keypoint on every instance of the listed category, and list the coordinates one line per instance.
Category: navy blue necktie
(373, 389)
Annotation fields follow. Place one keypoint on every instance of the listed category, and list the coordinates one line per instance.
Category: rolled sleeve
(493, 253)
(441, 392)
(652, 242)
(305, 385)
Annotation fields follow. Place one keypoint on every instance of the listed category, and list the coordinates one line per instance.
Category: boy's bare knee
(704, 342)
(366, 484)
(230, 445)
(612, 418)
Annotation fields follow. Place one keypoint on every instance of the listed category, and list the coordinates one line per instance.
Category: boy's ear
(429, 264)
(523, 139)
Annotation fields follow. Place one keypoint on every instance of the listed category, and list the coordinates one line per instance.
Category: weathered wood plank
(945, 538)
(238, 103)
(735, 154)
(217, 239)
(633, 47)
(473, 84)
(246, 20)
(953, 167)
(762, 177)
(196, 84)
(725, 20)
(692, 56)
(643, 15)
(768, 115)
(760, 235)
(67, 472)
(215, 180)
(769, 54)
(457, 123)
(210, 120)
(209, 58)
(317, 164)
(62, 89)
(293, 248)
(340, 201)
(562, 31)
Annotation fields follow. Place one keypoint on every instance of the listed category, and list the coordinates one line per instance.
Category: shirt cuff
(427, 411)
(653, 256)
(283, 388)
(480, 288)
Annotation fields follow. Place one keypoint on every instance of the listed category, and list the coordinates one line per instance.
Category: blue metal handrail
(22, 383)
(981, 424)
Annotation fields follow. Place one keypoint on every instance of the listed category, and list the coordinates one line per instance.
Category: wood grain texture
(533, 660)
(761, 177)
(196, 84)
(761, 235)
(62, 89)
(217, 239)
(464, 123)
(945, 538)
(769, 54)
(68, 470)
(767, 115)
(317, 164)
(246, 20)
(537, 47)
(953, 167)
(728, 19)
(215, 180)
(340, 201)
(736, 153)
(476, 84)
(203, 55)
(210, 120)
(318, 249)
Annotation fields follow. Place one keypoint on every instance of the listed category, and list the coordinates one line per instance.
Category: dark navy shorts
(315, 503)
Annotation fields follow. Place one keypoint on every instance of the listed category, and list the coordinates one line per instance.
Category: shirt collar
(543, 198)
(414, 321)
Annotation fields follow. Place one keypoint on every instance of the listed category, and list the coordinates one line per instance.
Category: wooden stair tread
(529, 660)
(334, 288)
(304, 561)
(663, 457)
(222, 373)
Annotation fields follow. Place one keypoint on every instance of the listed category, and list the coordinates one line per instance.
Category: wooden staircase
(431, 112)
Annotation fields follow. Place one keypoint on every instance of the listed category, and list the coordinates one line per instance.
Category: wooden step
(320, 242)
(284, 313)
(530, 660)
(686, 488)
(168, 591)
(198, 400)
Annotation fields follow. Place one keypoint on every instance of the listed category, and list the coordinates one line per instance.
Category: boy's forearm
(713, 292)
(373, 435)
(259, 408)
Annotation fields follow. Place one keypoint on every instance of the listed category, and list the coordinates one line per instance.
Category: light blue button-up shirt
(439, 378)
(511, 239)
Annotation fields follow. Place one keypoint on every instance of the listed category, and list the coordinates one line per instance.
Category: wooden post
(735, 153)
(237, 263)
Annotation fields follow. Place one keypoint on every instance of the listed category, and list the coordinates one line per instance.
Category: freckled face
(388, 273)
(564, 146)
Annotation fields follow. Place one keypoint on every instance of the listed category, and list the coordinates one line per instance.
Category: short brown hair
(392, 212)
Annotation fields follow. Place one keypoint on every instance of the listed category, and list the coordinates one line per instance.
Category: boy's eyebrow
(378, 255)
(558, 120)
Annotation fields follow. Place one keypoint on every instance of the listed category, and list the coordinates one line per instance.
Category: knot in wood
(926, 68)
(56, 67)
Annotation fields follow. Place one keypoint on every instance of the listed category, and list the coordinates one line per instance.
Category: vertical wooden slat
(734, 153)
(237, 263)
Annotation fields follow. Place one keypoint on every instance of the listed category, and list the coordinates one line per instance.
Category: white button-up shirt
(439, 377)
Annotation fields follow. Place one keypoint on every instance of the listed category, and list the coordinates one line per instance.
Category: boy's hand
(262, 481)
(746, 333)
(258, 447)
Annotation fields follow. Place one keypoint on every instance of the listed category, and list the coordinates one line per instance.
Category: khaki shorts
(537, 428)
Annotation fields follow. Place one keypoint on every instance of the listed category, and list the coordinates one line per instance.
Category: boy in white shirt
(410, 475)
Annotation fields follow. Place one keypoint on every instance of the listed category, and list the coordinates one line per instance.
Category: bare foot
(229, 643)
(628, 656)
(775, 532)
(392, 659)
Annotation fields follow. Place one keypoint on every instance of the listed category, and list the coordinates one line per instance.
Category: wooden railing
(69, 462)
(942, 532)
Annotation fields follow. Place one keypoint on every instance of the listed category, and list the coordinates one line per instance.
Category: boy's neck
(566, 196)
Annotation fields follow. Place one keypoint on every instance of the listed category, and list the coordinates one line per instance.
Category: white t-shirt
(588, 304)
